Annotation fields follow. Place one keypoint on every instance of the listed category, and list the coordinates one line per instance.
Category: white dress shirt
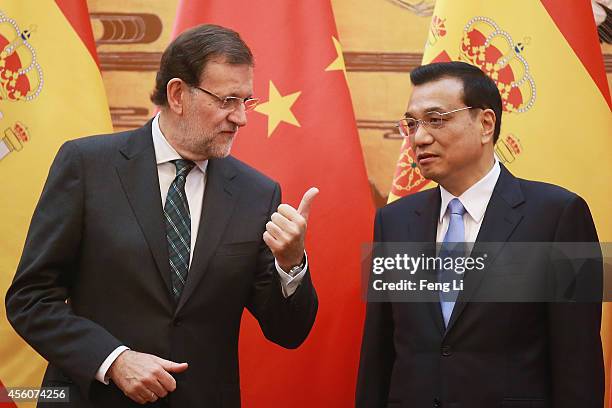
(475, 200)
(194, 189)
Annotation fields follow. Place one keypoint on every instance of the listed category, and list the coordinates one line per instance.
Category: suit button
(446, 351)
(436, 403)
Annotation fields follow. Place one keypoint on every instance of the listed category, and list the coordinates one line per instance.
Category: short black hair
(187, 55)
(478, 89)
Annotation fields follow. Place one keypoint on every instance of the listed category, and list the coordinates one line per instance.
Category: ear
(175, 91)
(487, 120)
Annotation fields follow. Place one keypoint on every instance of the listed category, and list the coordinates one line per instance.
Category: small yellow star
(338, 63)
(278, 108)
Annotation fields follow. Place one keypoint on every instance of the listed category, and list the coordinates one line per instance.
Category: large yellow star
(278, 108)
(338, 63)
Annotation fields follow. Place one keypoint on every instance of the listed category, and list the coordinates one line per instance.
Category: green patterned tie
(178, 227)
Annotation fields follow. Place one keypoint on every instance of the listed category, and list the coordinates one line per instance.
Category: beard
(205, 144)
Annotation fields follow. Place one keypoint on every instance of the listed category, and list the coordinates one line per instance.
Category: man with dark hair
(457, 351)
(479, 91)
(147, 245)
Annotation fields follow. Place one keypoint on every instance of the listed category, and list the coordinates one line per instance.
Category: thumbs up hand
(286, 230)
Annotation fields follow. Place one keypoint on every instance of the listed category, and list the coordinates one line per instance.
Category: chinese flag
(51, 90)
(546, 60)
(303, 134)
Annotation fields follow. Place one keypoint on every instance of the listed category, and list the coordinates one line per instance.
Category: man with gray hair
(147, 245)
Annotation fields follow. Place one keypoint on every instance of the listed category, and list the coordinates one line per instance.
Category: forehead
(228, 79)
(442, 94)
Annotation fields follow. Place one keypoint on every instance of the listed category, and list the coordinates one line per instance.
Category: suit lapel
(424, 232)
(137, 171)
(219, 200)
(500, 220)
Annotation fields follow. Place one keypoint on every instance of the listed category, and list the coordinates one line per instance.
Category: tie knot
(183, 167)
(455, 207)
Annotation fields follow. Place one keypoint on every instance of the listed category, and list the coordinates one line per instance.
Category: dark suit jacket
(97, 239)
(491, 354)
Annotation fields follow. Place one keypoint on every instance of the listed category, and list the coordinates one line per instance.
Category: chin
(221, 152)
(427, 173)
(431, 175)
(434, 171)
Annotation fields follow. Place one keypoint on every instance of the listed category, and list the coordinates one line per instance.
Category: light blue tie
(452, 247)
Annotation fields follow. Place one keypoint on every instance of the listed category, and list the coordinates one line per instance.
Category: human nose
(238, 116)
(421, 136)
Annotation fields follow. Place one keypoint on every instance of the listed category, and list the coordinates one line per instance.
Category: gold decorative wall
(382, 41)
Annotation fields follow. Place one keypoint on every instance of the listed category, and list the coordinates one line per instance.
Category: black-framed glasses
(409, 126)
(231, 103)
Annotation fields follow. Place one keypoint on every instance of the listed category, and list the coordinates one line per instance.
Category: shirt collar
(476, 198)
(164, 152)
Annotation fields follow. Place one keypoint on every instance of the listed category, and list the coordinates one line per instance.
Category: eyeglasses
(408, 126)
(231, 103)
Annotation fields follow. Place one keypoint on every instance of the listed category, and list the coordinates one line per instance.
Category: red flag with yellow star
(303, 134)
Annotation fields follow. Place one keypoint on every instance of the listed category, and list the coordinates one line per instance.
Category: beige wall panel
(165, 10)
(129, 88)
(377, 95)
(380, 25)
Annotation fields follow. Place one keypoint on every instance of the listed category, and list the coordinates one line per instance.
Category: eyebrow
(438, 109)
(235, 95)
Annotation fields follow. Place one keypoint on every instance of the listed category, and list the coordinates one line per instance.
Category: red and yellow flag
(50, 91)
(303, 134)
(546, 60)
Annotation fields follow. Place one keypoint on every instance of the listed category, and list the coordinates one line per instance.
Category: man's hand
(144, 377)
(286, 230)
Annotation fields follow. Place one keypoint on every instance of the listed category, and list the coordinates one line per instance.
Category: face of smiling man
(459, 153)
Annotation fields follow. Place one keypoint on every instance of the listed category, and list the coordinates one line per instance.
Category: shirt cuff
(290, 283)
(101, 373)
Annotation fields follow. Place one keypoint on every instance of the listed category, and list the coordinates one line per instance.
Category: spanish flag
(50, 91)
(546, 60)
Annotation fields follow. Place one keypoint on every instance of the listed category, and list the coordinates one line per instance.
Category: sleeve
(101, 374)
(576, 356)
(288, 282)
(38, 300)
(285, 321)
(377, 350)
